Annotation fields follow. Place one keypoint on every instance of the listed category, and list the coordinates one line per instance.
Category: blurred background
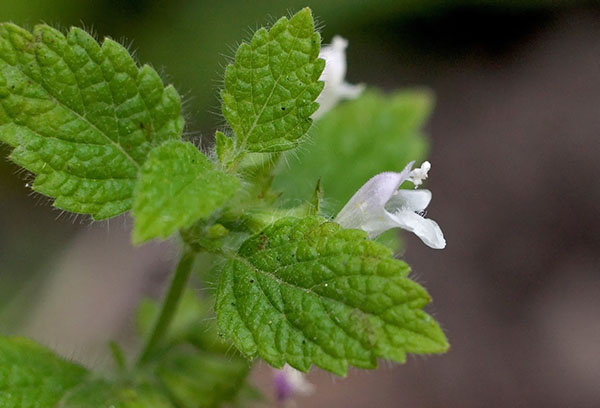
(515, 147)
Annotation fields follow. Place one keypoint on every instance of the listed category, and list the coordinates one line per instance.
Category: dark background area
(516, 163)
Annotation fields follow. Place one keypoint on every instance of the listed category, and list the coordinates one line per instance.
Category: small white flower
(289, 382)
(379, 205)
(336, 88)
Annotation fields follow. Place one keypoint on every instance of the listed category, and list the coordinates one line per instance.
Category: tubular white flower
(289, 382)
(379, 205)
(333, 75)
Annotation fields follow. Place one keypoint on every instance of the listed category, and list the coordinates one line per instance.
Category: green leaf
(391, 239)
(203, 376)
(202, 379)
(271, 88)
(32, 376)
(81, 116)
(355, 141)
(103, 394)
(178, 185)
(306, 291)
(224, 146)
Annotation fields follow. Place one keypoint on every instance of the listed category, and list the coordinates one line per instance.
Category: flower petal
(333, 75)
(349, 91)
(428, 230)
(414, 200)
(375, 224)
(335, 62)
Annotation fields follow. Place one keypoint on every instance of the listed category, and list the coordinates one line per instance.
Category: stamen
(417, 176)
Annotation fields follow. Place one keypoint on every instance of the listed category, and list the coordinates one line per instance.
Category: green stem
(118, 356)
(169, 305)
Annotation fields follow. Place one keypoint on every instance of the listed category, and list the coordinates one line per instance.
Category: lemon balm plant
(299, 283)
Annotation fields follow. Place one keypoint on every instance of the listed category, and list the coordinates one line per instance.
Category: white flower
(379, 205)
(333, 75)
(289, 382)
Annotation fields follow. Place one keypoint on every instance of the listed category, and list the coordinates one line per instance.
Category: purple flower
(289, 382)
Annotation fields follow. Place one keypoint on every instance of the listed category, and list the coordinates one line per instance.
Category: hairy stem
(169, 305)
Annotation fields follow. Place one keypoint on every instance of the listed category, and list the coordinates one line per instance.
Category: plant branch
(169, 305)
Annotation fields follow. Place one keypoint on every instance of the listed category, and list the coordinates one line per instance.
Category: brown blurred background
(516, 163)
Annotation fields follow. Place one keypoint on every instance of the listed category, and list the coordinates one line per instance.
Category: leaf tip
(303, 17)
